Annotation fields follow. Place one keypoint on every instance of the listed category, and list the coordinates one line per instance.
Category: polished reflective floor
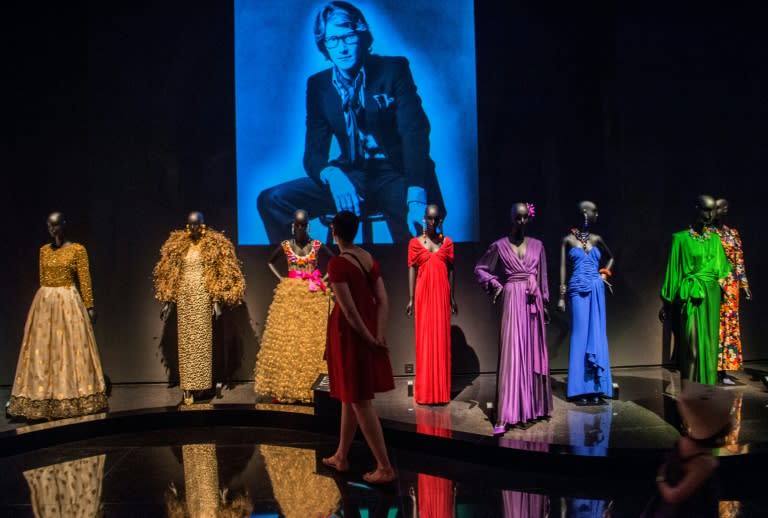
(237, 456)
(643, 416)
(276, 473)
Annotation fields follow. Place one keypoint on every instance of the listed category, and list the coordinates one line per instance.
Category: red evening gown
(432, 308)
(355, 369)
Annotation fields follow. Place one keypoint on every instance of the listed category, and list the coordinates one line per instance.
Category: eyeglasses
(348, 39)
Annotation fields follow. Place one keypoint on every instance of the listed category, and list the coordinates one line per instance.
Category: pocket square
(383, 101)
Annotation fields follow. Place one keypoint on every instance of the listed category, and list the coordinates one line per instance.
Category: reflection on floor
(233, 472)
(71, 488)
(644, 416)
(242, 471)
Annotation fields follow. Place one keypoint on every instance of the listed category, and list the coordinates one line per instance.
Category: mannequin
(198, 271)
(589, 366)
(59, 370)
(523, 391)
(300, 243)
(729, 355)
(430, 279)
(291, 354)
(697, 268)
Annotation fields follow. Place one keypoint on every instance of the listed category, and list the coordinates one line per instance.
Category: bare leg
(371, 428)
(339, 460)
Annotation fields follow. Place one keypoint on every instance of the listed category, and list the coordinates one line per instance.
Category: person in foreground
(356, 350)
(687, 482)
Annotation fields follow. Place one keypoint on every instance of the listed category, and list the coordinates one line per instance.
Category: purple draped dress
(523, 386)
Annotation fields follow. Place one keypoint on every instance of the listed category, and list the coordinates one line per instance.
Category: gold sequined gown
(59, 370)
(194, 311)
(67, 490)
(291, 355)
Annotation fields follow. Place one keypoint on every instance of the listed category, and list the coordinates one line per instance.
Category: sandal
(381, 476)
(333, 462)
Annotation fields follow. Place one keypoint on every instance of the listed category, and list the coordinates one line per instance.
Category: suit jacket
(393, 115)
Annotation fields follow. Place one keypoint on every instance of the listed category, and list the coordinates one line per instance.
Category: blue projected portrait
(369, 140)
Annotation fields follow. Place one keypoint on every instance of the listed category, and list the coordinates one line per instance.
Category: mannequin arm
(166, 311)
(485, 272)
(563, 266)
(663, 312)
(271, 262)
(607, 253)
(412, 270)
(328, 254)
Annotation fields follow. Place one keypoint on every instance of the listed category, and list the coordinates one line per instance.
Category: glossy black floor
(234, 457)
(236, 471)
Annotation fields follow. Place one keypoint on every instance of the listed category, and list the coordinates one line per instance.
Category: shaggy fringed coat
(224, 279)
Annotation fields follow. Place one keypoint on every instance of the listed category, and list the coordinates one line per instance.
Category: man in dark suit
(369, 103)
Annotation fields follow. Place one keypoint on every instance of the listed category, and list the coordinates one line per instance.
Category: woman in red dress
(356, 351)
(430, 269)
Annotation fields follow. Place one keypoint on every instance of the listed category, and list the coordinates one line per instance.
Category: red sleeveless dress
(356, 371)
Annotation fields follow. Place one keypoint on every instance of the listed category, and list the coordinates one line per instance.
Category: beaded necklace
(581, 236)
(699, 237)
(295, 259)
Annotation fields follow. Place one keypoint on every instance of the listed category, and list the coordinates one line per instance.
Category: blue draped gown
(589, 367)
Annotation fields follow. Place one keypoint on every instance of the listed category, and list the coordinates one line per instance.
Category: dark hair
(345, 225)
(356, 22)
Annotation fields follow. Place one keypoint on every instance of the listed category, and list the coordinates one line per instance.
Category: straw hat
(705, 409)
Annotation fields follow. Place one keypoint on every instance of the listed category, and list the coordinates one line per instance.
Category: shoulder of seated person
(707, 462)
(386, 62)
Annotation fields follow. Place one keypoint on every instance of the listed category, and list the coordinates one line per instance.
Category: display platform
(623, 440)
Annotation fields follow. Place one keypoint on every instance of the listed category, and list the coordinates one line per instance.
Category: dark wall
(121, 115)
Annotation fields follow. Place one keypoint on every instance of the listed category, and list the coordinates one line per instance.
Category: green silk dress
(696, 267)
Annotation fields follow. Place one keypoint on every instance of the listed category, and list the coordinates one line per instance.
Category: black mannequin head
(299, 225)
(57, 226)
(196, 225)
(519, 215)
(705, 210)
(432, 220)
(721, 211)
(588, 213)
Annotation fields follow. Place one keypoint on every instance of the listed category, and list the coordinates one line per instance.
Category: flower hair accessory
(531, 210)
